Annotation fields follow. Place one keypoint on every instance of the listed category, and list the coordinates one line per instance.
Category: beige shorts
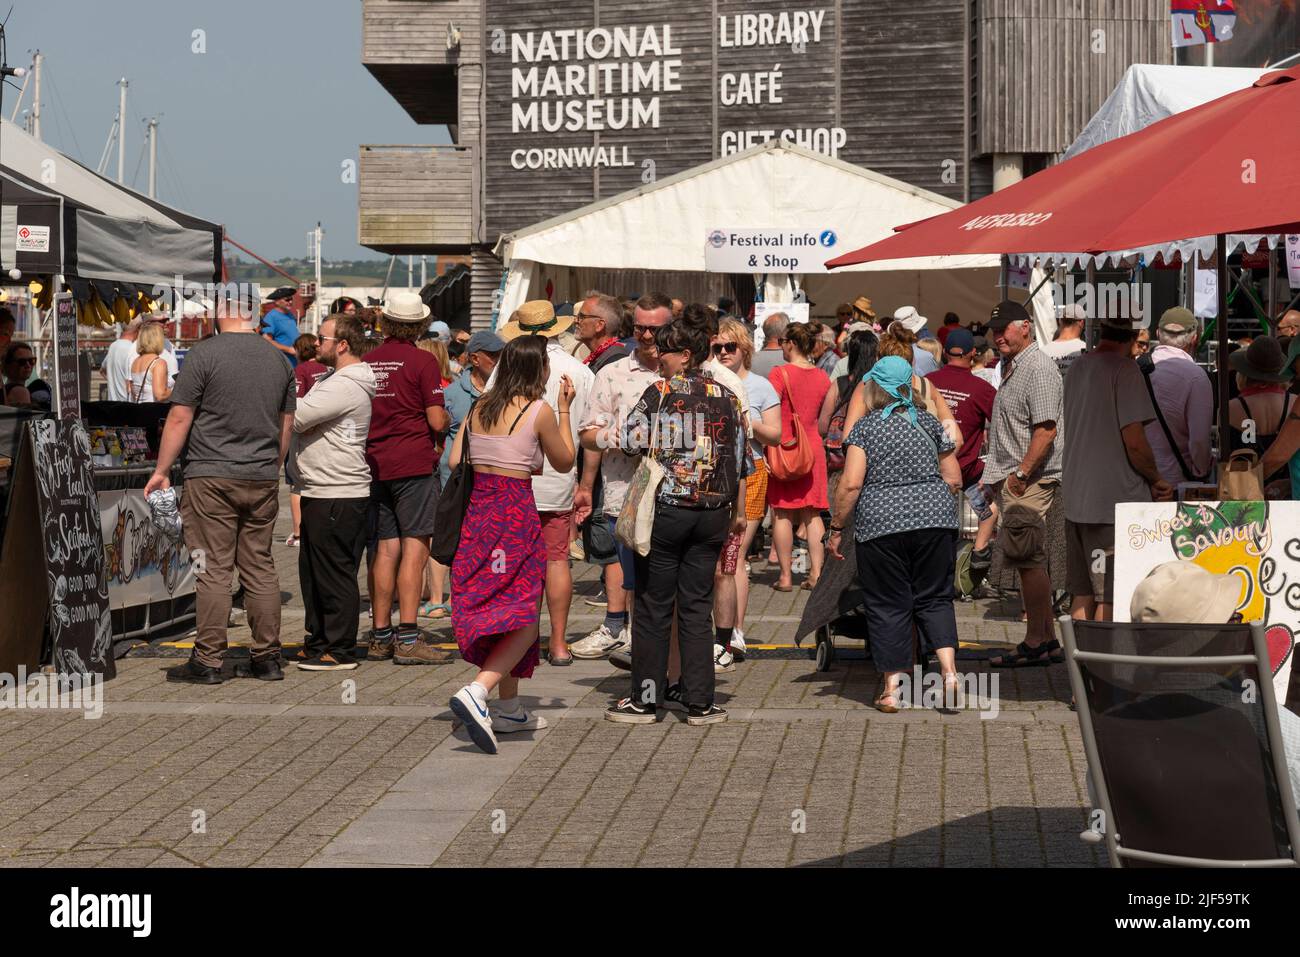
(1088, 547)
(1023, 531)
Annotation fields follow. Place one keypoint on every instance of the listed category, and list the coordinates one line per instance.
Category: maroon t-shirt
(971, 401)
(407, 382)
(307, 373)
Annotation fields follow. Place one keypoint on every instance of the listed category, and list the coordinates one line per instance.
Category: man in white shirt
(1068, 344)
(117, 362)
(617, 389)
(554, 494)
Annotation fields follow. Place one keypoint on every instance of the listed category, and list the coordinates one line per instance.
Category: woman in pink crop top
(500, 566)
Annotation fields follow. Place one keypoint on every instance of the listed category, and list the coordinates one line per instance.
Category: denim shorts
(626, 557)
(978, 502)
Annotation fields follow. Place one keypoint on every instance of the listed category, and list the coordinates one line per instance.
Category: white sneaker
(598, 644)
(474, 716)
(723, 660)
(737, 646)
(504, 722)
(624, 640)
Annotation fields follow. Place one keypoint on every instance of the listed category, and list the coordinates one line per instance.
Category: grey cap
(484, 341)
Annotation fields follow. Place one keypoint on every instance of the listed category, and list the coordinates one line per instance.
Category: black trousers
(677, 574)
(333, 540)
(906, 579)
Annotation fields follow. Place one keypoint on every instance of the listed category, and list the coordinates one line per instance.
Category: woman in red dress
(801, 387)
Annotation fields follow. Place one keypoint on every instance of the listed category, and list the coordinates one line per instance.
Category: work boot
(419, 652)
(377, 650)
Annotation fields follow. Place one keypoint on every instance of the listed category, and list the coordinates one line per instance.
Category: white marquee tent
(662, 229)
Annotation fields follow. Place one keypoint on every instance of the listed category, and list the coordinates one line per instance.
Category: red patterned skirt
(499, 570)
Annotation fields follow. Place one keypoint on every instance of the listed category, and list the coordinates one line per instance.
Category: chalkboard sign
(67, 385)
(54, 512)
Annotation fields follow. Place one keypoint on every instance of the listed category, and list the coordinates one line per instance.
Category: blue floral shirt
(903, 490)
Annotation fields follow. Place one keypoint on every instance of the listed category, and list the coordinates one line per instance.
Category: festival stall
(1126, 194)
(84, 568)
(774, 212)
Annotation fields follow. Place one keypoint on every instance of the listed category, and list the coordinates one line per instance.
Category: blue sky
(252, 133)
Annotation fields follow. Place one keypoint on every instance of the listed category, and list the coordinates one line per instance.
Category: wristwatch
(1020, 474)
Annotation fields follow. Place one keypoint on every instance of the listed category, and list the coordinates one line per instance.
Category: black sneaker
(673, 695)
(627, 712)
(697, 715)
(621, 659)
(263, 669)
(192, 672)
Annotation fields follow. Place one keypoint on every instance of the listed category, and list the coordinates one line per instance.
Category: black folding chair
(1180, 726)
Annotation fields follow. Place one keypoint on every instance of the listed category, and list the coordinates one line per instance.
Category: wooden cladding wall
(485, 283)
(413, 197)
(415, 31)
(1046, 66)
(881, 85)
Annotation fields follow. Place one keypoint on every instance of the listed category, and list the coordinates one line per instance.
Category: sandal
(429, 610)
(1027, 655)
(952, 683)
(779, 587)
(808, 584)
(888, 702)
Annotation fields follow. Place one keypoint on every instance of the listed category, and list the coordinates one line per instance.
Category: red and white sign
(32, 239)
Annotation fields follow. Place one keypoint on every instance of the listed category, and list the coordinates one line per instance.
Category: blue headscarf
(894, 375)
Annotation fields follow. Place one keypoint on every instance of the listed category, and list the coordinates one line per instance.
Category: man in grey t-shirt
(1106, 460)
(234, 402)
(771, 355)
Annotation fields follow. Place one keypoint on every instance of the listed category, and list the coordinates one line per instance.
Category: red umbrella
(1228, 166)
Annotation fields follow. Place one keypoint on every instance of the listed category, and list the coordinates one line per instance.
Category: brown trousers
(229, 524)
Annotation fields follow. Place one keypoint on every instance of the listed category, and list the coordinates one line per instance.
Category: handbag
(636, 520)
(453, 502)
(791, 458)
(834, 441)
(1242, 477)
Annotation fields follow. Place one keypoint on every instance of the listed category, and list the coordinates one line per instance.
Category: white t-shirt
(1060, 348)
(173, 364)
(761, 396)
(117, 369)
(554, 490)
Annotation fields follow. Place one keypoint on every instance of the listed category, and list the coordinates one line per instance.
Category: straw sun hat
(535, 318)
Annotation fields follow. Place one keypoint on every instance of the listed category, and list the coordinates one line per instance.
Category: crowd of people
(653, 438)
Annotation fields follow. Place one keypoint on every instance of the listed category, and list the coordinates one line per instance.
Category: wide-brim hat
(1263, 360)
(535, 318)
(911, 320)
(1187, 594)
(863, 305)
(406, 307)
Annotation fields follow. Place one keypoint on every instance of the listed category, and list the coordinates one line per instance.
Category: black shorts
(404, 508)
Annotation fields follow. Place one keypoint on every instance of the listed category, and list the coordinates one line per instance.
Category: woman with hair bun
(801, 387)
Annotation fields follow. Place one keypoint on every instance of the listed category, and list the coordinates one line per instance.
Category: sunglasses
(728, 347)
(641, 330)
(25, 362)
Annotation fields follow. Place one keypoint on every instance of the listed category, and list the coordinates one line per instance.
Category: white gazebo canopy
(663, 227)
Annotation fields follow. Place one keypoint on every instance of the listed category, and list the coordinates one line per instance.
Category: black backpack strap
(1147, 369)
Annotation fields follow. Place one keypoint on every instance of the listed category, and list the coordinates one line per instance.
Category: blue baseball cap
(439, 330)
(484, 341)
(959, 342)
